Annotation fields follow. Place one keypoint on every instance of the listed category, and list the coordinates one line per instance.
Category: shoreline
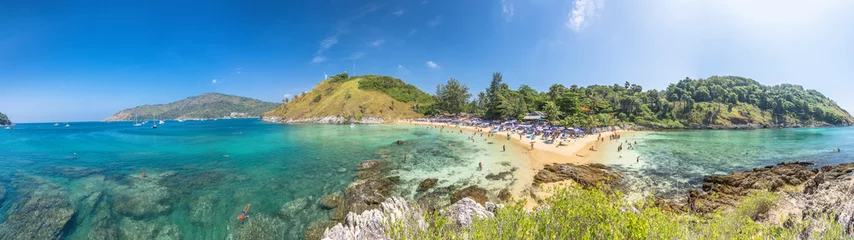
(576, 151)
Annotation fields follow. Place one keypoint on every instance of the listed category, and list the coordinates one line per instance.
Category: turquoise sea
(200, 174)
(671, 161)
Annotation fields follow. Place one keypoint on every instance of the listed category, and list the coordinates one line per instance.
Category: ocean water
(200, 174)
(671, 161)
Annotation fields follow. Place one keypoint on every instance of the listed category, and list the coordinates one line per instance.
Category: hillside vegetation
(716, 101)
(208, 105)
(355, 98)
(4, 120)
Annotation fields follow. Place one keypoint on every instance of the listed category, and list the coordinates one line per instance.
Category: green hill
(208, 105)
(4, 120)
(356, 98)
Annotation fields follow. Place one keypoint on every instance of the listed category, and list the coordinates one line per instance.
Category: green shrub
(577, 213)
(317, 99)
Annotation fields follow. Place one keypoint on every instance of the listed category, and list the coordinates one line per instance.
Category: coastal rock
(316, 230)
(588, 175)
(728, 190)
(371, 224)
(330, 201)
(342, 170)
(476, 193)
(369, 164)
(398, 142)
(41, 211)
(463, 212)
(368, 174)
(505, 195)
(367, 195)
(427, 184)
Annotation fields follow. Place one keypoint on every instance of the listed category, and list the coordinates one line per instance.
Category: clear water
(200, 174)
(674, 160)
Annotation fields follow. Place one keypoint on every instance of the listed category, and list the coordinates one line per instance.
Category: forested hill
(718, 101)
(4, 120)
(208, 105)
(353, 98)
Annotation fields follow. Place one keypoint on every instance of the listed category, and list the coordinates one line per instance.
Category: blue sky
(85, 60)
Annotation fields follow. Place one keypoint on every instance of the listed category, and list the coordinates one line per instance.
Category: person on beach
(480, 165)
(504, 147)
(532, 145)
(243, 214)
(638, 159)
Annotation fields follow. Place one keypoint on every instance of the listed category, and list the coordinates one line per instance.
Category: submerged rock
(478, 194)
(148, 229)
(369, 164)
(588, 175)
(260, 226)
(201, 209)
(142, 198)
(330, 201)
(74, 172)
(427, 184)
(41, 211)
(292, 208)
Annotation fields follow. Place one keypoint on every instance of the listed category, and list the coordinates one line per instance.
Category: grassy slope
(333, 102)
(209, 105)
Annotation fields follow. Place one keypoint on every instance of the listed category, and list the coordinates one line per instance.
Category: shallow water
(200, 174)
(671, 161)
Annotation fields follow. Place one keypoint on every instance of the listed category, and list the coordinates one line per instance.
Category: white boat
(137, 124)
(180, 120)
(352, 125)
(161, 122)
(8, 128)
(67, 125)
(56, 124)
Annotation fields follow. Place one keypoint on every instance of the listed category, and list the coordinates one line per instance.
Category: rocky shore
(326, 120)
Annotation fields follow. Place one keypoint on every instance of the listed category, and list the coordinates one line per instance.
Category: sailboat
(135, 123)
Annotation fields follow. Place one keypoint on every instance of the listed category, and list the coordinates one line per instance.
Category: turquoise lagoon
(200, 174)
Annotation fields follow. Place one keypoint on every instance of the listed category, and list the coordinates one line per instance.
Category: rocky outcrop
(588, 175)
(368, 164)
(463, 212)
(478, 194)
(367, 195)
(728, 190)
(427, 184)
(330, 201)
(372, 224)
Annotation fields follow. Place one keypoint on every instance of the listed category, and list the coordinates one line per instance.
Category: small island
(4, 120)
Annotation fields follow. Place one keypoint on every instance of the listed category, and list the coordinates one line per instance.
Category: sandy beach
(576, 151)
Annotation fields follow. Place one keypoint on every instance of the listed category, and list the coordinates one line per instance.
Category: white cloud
(318, 59)
(507, 10)
(356, 56)
(328, 42)
(377, 43)
(435, 21)
(431, 64)
(399, 12)
(288, 95)
(213, 81)
(582, 12)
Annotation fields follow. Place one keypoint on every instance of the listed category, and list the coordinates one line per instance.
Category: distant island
(4, 121)
(724, 102)
(205, 106)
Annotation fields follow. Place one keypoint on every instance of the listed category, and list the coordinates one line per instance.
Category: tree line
(715, 100)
